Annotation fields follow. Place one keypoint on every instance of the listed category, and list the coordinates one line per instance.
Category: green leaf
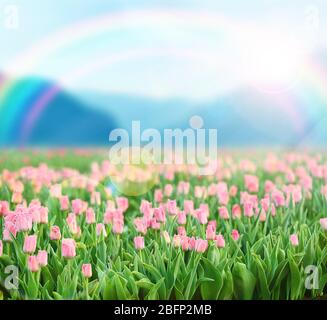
(32, 287)
(296, 281)
(145, 284)
(121, 292)
(109, 291)
(244, 282)
(153, 293)
(226, 292)
(209, 290)
(264, 288)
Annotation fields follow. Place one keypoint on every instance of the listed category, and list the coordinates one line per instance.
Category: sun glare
(272, 61)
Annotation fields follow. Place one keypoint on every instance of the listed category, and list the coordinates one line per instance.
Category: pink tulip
(176, 240)
(4, 208)
(17, 197)
(210, 232)
(213, 223)
(269, 186)
(201, 245)
(290, 176)
(263, 215)
(145, 206)
(192, 243)
(205, 208)
(101, 229)
(188, 206)
(212, 189)
(185, 243)
(158, 195)
(68, 248)
(64, 203)
(55, 191)
(154, 224)
(220, 241)
(42, 258)
(233, 191)
(140, 225)
(236, 211)
(166, 236)
(323, 190)
(111, 205)
(122, 203)
(169, 175)
(223, 213)
(78, 232)
(7, 235)
(306, 182)
(183, 187)
(77, 206)
(223, 197)
(35, 212)
(90, 216)
(168, 190)
(44, 215)
(265, 203)
(202, 216)
(251, 183)
(181, 231)
(118, 227)
(278, 198)
(199, 192)
(87, 270)
(24, 222)
(323, 223)
(96, 198)
(55, 233)
(30, 244)
(172, 207)
(33, 264)
(108, 216)
(248, 209)
(235, 235)
(139, 243)
(294, 240)
(72, 223)
(181, 218)
(159, 214)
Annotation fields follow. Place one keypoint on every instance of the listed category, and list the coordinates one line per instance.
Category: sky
(196, 50)
(253, 64)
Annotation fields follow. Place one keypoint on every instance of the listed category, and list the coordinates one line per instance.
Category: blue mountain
(67, 121)
(245, 117)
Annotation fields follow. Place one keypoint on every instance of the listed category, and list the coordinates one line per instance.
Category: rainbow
(21, 103)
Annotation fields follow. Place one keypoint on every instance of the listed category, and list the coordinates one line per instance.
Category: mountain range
(245, 117)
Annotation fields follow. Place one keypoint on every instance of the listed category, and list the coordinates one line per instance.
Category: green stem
(86, 283)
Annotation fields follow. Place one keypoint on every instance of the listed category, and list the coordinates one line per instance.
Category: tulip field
(75, 226)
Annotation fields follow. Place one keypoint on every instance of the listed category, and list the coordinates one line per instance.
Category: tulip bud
(68, 248)
(33, 264)
(87, 270)
(55, 233)
(42, 258)
(30, 244)
(139, 243)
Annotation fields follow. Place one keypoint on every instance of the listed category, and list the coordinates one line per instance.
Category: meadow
(74, 226)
